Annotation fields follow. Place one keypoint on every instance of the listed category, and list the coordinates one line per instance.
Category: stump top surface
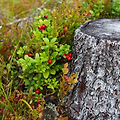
(103, 28)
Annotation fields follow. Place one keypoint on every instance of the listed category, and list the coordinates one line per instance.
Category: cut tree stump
(96, 60)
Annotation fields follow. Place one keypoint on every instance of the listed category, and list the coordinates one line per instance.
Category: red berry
(29, 54)
(45, 16)
(60, 34)
(37, 91)
(64, 29)
(33, 95)
(69, 58)
(64, 54)
(43, 26)
(38, 101)
(65, 26)
(70, 54)
(49, 61)
(40, 27)
(79, 6)
(32, 35)
(42, 30)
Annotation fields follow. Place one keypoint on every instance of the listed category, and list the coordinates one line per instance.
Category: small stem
(26, 104)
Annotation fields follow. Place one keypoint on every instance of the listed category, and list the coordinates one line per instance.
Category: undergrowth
(34, 55)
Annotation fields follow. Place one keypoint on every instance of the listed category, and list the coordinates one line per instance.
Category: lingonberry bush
(41, 65)
(33, 66)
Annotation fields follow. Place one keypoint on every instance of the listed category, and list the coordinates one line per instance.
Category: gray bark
(96, 60)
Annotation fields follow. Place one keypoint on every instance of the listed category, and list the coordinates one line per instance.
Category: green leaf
(32, 83)
(20, 52)
(31, 71)
(45, 32)
(25, 57)
(27, 82)
(50, 86)
(56, 67)
(25, 47)
(52, 71)
(54, 54)
(36, 86)
(53, 61)
(53, 41)
(47, 22)
(8, 66)
(36, 56)
(43, 47)
(49, 29)
(91, 11)
(46, 40)
(55, 47)
(44, 56)
(24, 67)
(41, 22)
(20, 76)
(46, 74)
(20, 61)
(41, 88)
(37, 59)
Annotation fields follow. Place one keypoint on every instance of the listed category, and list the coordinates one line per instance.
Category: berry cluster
(42, 28)
(68, 56)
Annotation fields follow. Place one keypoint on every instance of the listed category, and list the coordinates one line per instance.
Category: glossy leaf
(46, 40)
(52, 71)
(46, 74)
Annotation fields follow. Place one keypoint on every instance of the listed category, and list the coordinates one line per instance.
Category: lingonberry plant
(40, 66)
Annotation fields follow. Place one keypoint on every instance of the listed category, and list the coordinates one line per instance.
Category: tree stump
(96, 60)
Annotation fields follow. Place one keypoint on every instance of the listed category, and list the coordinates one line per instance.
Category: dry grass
(14, 9)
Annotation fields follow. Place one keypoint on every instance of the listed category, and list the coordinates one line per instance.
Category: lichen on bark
(96, 60)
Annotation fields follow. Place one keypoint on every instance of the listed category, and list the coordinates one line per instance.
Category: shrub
(41, 58)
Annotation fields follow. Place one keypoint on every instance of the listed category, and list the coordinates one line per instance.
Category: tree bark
(96, 60)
